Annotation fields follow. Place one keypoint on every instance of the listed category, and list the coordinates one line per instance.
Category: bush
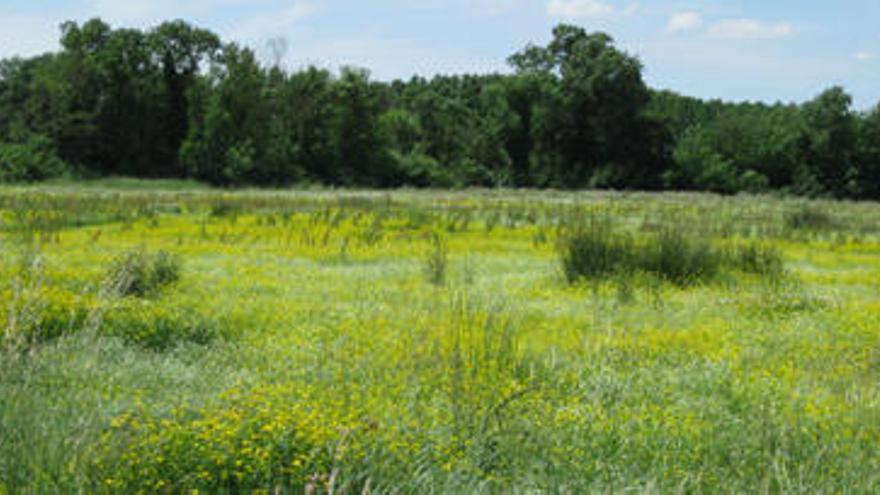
(436, 261)
(759, 259)
(808, 218)
(680, 258)
(699, 166)
(159, 325)
(141, 274)
(31, 161)
(284, 441)
(595, 251)
(421, 170)
(41, 314)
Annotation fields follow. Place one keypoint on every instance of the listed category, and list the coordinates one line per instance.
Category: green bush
(681, 258)
(141, 274)
(41, 314)
(594, 250)
(160, 325)
(421, 170)
(436, 261)
(759, 259)
(31, 161)
(808, 217)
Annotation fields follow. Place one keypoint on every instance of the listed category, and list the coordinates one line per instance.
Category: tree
(361, 148)
(228, 126)
(869, 155)
(599, 116)
(829, 142)
(180, 50)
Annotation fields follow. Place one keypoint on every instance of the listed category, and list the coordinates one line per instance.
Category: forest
(176, 101)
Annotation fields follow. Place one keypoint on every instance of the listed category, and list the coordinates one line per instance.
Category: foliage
(594, 250)
(142, 274)
(808, 217)
(32, 161)
(757, 258)
(436, 261)
(681, 257)
(175, 101)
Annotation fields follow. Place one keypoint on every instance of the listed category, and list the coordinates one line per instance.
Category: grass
(411, 342)
(141, 274)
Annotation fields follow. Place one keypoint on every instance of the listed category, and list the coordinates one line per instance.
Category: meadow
(168, 338)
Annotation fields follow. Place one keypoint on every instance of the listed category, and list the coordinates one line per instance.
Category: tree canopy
(177, 101)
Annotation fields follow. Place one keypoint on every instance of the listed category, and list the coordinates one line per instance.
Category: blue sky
(788, 50)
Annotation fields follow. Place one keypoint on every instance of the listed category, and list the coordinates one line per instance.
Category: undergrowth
(596, 251)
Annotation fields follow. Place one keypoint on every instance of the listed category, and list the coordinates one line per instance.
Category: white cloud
(683, 22)
(863, 56)
(748, 29)
(582, 9)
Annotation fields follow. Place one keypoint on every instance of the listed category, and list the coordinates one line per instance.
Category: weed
(681, 258)
(142, 274)
(594, 250)
(808, 217)
(436, 260)
(225, 208)
(757, 258)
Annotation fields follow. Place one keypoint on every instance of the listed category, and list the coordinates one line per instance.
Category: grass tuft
(436, 260)
(596, 251)
(808, 217)
(141, 274)
(679, 257)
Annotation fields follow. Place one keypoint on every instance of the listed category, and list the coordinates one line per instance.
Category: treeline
(176, 101)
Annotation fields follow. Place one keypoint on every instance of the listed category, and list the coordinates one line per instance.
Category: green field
(177, 339)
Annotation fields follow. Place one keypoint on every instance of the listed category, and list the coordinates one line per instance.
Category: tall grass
(436, 260)
(142, 274)
(808, 217)
(673, 253)
(680, 257)
(596, 251)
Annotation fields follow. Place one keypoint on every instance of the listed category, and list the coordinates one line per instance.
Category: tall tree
(360, 146)
(180, 49)
(600, 116)
(869, 155)
(829, 142)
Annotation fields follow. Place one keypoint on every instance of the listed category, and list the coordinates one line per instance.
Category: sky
(757, 50)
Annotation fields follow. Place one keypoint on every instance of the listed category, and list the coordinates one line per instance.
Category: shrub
(40, 314)
(759, 259)
(267, 437)
(141, 274)
(808, 218)
(225, 208)
(593, 250)
(680, 258)
(159, 326)
(421, 170)
(436, 261)
(33, 160)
